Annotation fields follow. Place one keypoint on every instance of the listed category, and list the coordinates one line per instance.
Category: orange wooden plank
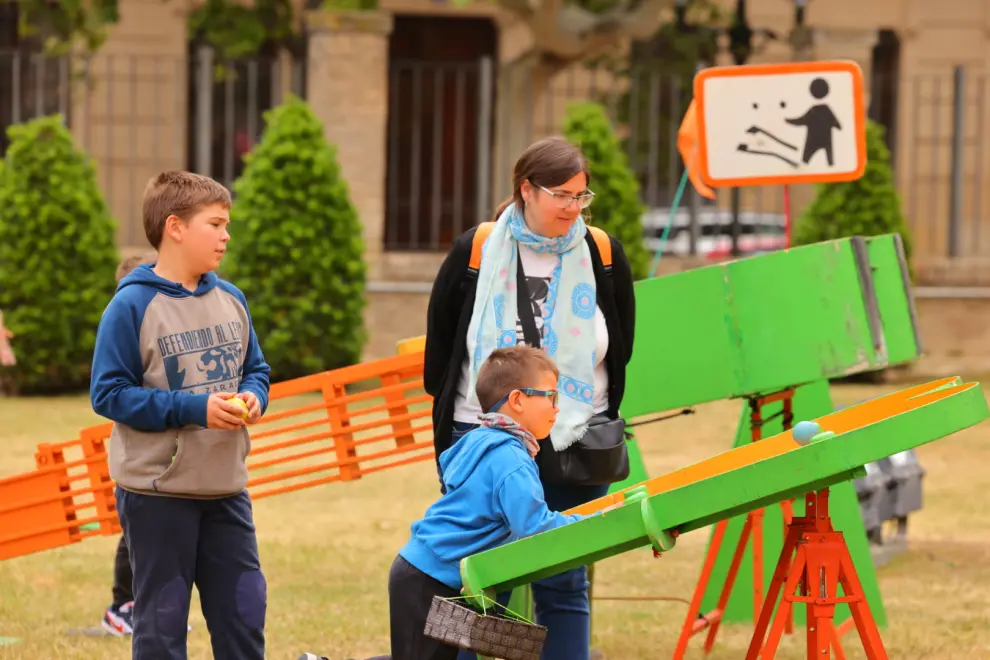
(32, 516)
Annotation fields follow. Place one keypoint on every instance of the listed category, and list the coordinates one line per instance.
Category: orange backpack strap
(484, 230)
(478, 242)
(604, 244)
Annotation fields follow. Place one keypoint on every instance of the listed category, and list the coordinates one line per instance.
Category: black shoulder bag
(598, 458)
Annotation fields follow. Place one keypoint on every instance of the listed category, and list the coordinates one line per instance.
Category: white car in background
(759, 232)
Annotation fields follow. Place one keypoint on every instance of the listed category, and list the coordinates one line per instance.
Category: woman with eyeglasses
(542, 279)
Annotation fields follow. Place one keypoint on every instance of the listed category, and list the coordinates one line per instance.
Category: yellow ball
(242, 404)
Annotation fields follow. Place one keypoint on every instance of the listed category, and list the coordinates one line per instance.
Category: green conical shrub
(57, 258)
(617, 207)
(868, 206)
(296, 248)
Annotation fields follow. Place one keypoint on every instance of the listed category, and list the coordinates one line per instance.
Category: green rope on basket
(484, 609)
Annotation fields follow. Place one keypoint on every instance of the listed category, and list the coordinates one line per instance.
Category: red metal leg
(821, 564)
(730, 580)
(691, 624)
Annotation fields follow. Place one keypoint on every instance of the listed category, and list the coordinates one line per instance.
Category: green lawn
(326, 553)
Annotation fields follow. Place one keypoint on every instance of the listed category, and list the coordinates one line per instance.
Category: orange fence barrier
(332, 426)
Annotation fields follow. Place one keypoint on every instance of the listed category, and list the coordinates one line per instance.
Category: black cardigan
(449, 315)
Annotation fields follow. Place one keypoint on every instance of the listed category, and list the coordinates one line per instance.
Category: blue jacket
(161, 351)
(493, 496)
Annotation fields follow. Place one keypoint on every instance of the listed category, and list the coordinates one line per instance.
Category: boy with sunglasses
(493, 496)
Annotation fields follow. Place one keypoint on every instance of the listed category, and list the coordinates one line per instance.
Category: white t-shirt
(538, 268)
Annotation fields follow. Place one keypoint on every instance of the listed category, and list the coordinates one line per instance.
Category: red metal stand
(752, 531)
(821, 563)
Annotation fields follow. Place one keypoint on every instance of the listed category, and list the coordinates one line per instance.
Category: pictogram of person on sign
(819, 122)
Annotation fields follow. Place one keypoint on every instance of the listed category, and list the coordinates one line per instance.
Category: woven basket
(491, 635)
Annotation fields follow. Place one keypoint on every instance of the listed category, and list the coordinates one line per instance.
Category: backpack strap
(478, 242)
(604, 244)
(484, 230)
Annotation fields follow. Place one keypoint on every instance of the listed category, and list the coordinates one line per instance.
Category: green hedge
(57, 258)
(296, 248)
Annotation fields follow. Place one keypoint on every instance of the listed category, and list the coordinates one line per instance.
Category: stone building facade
(346, 82)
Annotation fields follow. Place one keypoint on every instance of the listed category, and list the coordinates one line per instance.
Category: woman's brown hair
(548, 162)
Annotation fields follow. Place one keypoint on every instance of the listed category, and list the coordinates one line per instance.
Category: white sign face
(782, 125)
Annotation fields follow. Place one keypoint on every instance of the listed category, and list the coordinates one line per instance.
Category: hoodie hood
(144, 275)
(458, 462)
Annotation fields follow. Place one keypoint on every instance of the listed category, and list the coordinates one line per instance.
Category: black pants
(175, 543)
(123, 576)
(410, 594)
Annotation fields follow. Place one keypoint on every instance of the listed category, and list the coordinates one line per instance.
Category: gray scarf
(494, 420)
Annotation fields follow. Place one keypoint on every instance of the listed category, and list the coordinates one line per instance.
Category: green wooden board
(701, 503)
(768, 322)
(894, 301)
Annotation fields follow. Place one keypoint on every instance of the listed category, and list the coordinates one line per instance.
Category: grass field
(326, 553)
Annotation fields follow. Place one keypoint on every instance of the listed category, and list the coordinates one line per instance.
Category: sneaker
(310, 656)
(119, 621)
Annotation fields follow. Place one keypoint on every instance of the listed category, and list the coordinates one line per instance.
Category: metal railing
(135, 115)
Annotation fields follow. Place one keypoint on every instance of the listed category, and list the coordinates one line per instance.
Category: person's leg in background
(118, 618)
(162, 538)
(232, 588)
(562, 602)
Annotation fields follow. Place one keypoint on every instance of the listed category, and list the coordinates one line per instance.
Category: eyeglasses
(528, 391)
(550, 394)
(563, 200)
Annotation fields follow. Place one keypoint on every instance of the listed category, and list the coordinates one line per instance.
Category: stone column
(347, 88)
(854, 44)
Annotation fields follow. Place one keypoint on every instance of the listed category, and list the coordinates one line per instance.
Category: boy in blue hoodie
(174, 346)
(493, 496)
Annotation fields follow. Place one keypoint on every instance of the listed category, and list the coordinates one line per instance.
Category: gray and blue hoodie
(161, 351)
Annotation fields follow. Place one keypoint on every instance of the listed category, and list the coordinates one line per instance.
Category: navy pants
(561, 601)
(123, 578)
(175, 543)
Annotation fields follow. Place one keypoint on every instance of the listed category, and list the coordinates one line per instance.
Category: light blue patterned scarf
(493, 321)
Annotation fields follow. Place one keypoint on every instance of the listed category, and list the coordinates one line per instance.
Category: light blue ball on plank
(805, 431)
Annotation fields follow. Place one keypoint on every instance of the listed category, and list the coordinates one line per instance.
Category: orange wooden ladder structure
(330, 426)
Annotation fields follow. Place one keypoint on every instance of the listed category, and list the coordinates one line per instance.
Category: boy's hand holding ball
(251, 407)
(229, 411)
(241, 405)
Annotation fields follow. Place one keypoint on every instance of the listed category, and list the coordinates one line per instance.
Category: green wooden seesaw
(771, 330)
(814, 561)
